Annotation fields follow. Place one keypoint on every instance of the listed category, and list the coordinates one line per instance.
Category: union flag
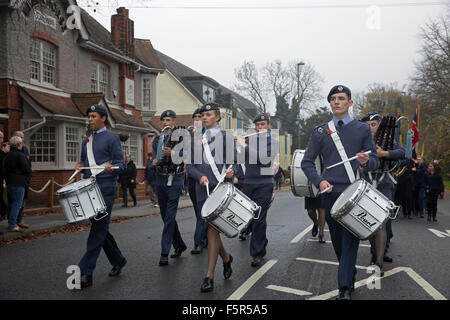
(415, 128)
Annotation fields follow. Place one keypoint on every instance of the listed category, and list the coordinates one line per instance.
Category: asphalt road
(296, 266)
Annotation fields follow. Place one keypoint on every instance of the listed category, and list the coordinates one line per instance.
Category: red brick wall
(10, 98)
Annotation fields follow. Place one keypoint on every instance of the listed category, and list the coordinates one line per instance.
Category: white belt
(341, 150)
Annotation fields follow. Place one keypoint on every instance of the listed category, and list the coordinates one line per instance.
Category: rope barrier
(63, 185)
(46, 185)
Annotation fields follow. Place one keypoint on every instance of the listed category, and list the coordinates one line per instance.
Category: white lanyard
(91, 158)
(210, 159)
(341, 151)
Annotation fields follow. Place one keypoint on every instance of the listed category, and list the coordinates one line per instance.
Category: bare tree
(251, 83)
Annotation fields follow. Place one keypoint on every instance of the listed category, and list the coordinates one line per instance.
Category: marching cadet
(335, 145)
(169, 190)
(207, 174)
(201, 225)
(103, 148)
(385, 183)
(259, 181)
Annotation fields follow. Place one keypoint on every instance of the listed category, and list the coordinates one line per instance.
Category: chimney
(122, 36)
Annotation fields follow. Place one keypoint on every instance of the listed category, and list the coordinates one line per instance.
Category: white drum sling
(82, 200)
(229, 210)
(362, 209)
(300, 185)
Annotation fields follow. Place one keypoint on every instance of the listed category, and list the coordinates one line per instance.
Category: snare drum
(300, 185)
(82, 200)
(362, 209)
(229, 210)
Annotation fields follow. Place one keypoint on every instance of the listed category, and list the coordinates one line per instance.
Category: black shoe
(163, 261)
(135, 204)
(115, 271)
(178, 252)
(197, 250)
(379, 265)
(242, 237)
(315, 229)
(207, 285)
(409, 217)
(85, 281)
(256, 262)
(227, 271)
(387, 259)
(321, 239)
(344, 294)
(434, 219)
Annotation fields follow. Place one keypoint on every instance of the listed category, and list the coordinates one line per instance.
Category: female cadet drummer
(353, 138)
(107, 152)
(206, 176)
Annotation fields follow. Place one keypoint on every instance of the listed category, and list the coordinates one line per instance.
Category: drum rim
(93, 182)
(310, 185)
(351, 203)
(223, 204)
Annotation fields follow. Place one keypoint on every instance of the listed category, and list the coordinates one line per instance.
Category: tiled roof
(53, 103)
(144, 52)
(121, 117)
(85, 100)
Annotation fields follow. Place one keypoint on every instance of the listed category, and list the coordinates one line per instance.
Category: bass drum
(300, 185)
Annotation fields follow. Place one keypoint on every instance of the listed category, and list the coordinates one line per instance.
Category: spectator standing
(17, 170)
(419, 197)
(27, 155)
(127, 180)
(150, 178)
(4, 150)
(435, 187)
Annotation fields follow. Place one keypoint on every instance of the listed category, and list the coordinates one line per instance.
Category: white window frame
(40, 74)
(208, 98)
(126, 148)
(31, 147)
(77, 141)
(99, 68)
(149, 107)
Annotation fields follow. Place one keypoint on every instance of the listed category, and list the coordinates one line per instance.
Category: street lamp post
(298, 98)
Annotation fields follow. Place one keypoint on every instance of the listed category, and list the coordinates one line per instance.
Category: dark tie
(340, 123)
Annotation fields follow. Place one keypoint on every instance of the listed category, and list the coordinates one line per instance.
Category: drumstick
(252, 134)
(349, 159)
(207, 189)
(83, 168)
(223, 177)
(325, 190)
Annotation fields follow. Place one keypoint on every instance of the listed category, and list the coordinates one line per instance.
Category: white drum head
(216, 199)
(75, 186)
(351, 192)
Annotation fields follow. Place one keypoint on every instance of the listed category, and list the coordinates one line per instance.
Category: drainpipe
(36, 125)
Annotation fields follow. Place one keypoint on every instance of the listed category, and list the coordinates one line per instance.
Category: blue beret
(372, 115)
(168, 113)
(97, 108)
(262, 117)
(338, 89)
(197, 111)
(210, 106)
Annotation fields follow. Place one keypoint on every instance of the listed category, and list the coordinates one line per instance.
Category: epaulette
(320, 128)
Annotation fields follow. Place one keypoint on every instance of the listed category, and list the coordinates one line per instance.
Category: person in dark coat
(127, 180)
(16, 169)
(435, 187)
(419, 197)
(150, 178)
(4, 150)
(27, 155)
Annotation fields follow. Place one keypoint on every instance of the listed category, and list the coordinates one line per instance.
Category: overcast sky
(348, 41)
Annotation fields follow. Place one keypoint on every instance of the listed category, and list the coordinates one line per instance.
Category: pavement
(56, 221)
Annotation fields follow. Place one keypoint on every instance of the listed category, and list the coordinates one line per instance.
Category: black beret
(372, 115)
(337, 89)
(210, 106)
(197, 111)
(97, 108)
(168, 113)
(262, 117)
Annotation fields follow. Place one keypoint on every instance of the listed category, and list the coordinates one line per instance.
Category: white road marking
(289, 290)
(327, 241)
(440, 234)
(242, 290)
(436, 295)
(302, 234)
(327, 262)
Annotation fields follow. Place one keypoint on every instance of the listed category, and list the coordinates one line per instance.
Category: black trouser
(432, 203)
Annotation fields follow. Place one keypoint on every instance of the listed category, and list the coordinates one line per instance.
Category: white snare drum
(229, 210)
(300, 185)
(362, 209)
(82, 200)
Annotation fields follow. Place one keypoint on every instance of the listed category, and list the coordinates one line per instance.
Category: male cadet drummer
(169, 192)
(353, 138)
(258, 181)
(102, 148)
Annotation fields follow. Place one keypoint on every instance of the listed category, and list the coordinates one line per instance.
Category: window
(99, 78)
(72, 144)
(208, 94)
(131, 147)
(146, 94)
(42, 61)
(43, 145)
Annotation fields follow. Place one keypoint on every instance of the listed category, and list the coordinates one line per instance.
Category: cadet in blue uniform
(204, 175)
(169, 192)
(200, 240)
(107, 152)
(385, 183)
(356, 138)
(258, 181)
